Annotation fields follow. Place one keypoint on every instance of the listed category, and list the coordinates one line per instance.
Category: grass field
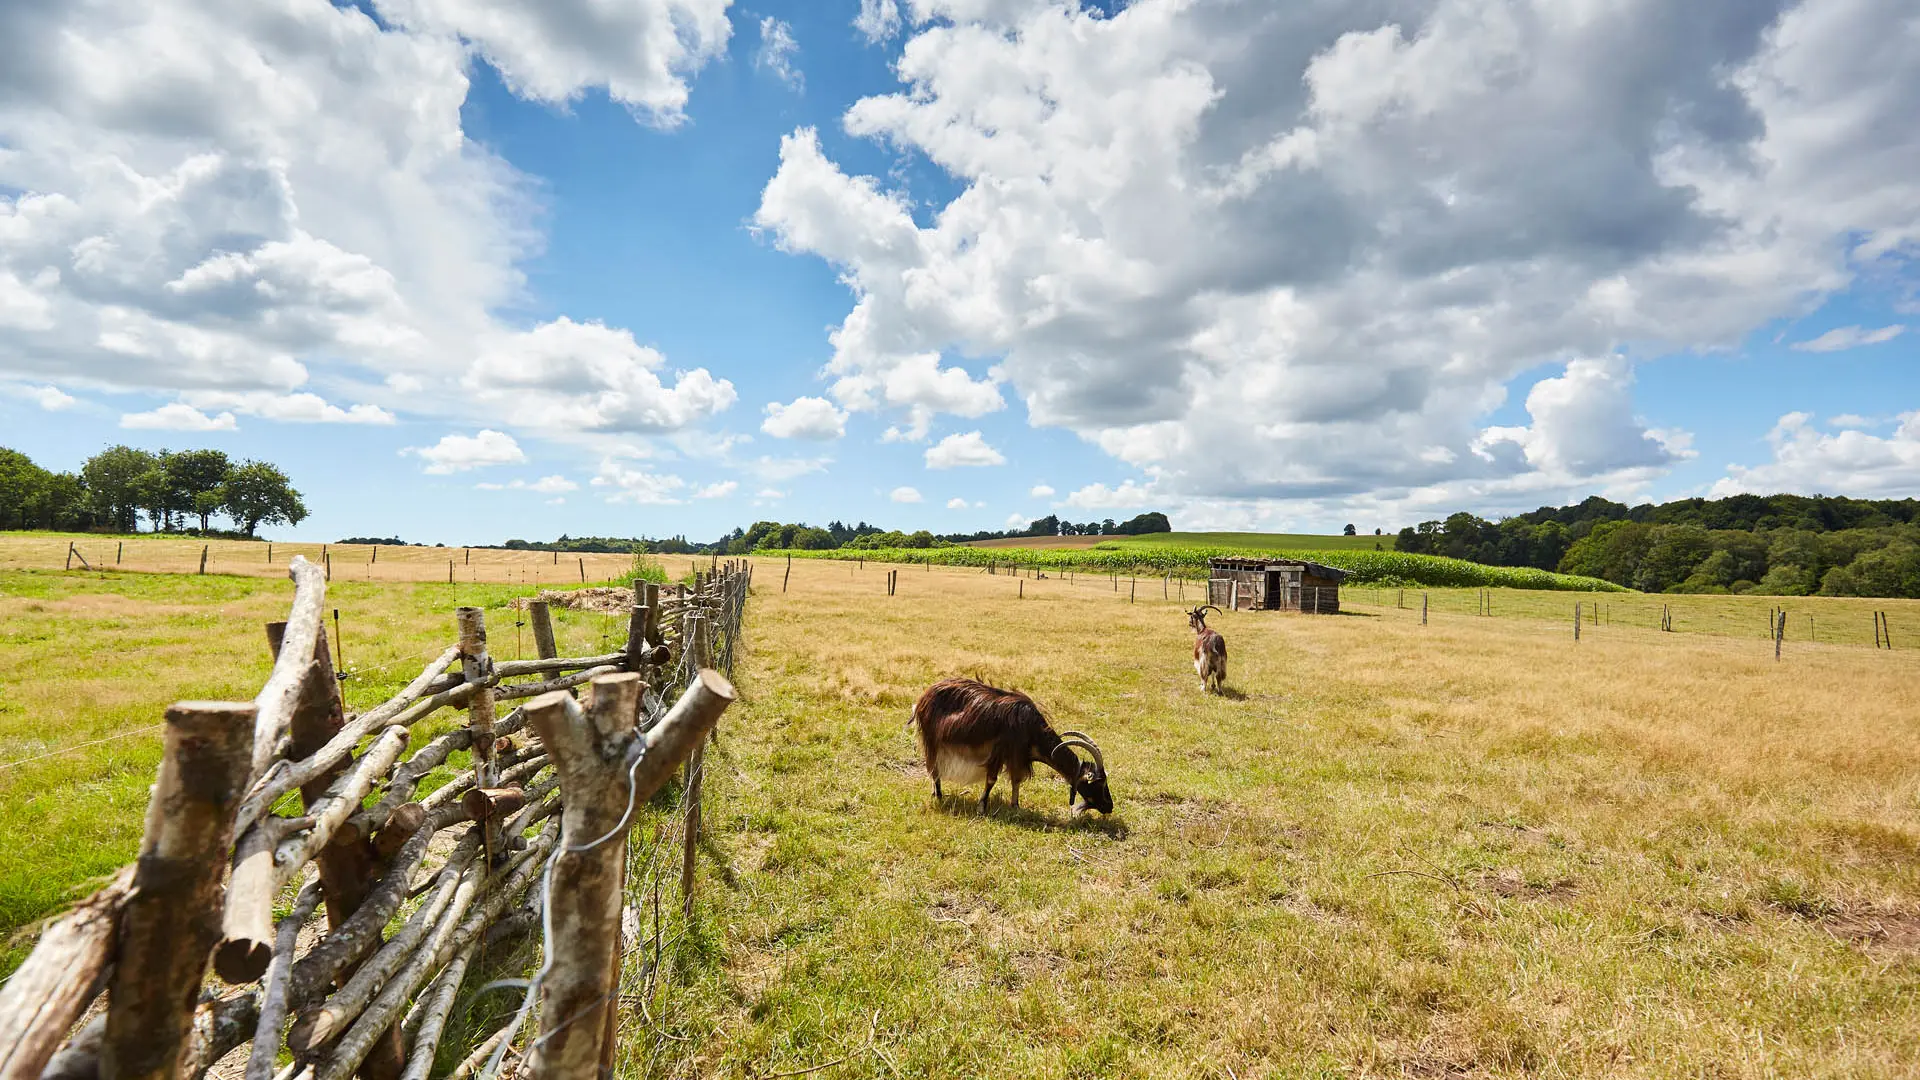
(1470, 848)
(1242, 540)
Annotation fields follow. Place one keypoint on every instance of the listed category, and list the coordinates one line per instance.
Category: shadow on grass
(1230, 694)
(968, 806)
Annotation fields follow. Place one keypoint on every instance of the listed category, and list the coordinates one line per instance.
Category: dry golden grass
(1466, 849)
(1472, 848)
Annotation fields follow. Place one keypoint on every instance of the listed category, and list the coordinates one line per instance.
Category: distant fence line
(338, 562)
(222, 848)
(1850, 621)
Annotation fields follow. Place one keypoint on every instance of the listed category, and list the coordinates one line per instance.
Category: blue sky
(481, 269)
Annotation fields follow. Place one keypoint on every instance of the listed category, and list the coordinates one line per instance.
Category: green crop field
(1239, 541)
(1113, 556)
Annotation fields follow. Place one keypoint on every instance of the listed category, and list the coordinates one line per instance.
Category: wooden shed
(1241, 584)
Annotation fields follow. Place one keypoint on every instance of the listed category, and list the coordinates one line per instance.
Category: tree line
(1781, 545)
(173, 490)
(1052, 525)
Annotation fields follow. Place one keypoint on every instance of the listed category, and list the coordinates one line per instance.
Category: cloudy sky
(472, 269)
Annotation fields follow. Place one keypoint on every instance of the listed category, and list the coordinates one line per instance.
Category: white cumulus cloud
(1128, 495)
(805, 418)
(49, 398)
(1209, 239)
(959, 451)
(718, 490)
(459, 453)
(904, 494)
(570, 376)
(299, 408)
(877, 20)
(1041, 491)
(629, 483)
(1808, 461)
(176, 416)
(642, 52)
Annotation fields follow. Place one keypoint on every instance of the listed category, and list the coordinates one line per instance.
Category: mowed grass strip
(1468, 848)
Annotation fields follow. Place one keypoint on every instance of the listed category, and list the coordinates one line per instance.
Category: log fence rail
(289, 800)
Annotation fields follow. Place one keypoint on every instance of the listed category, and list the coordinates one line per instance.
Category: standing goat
(971, 731)
(1209, 650)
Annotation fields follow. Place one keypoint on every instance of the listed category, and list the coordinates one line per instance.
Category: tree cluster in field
(115, 487)
(1781, 545)
(774, 535)
(605, 545)
(1051, 525)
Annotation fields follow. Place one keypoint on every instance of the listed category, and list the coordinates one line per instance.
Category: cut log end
(242, 961)
(716, 683)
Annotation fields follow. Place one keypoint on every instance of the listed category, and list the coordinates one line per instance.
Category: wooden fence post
(172, 917)
(1578, 607)
(475, 668)
(118, 550)
(1423, 609)
(583, 570)
(605, 767)
(701, 645)
(1132, 585)
(69, 565)
(1023, 590)
(788, 574)
(542, 630)
(203, 557)
(269, 553)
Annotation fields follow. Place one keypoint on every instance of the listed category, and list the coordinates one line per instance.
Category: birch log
(277, 699)
(595, 757)
(172, 917)
(476, 667)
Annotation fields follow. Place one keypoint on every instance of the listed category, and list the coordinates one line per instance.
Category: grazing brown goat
(1209, 650)
(971, 731)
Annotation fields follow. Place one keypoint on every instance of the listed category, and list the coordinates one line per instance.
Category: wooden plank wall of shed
(1253, 588)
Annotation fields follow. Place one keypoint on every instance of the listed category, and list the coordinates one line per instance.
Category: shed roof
(1240, 562)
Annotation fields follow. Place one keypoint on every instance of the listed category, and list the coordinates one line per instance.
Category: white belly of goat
(961, 765)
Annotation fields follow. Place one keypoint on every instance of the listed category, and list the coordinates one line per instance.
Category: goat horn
(1074, 738)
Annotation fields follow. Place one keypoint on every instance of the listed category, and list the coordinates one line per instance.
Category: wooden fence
(273, 802)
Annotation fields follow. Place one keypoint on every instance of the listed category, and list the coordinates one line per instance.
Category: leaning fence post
(597, 754)
(172, 917)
